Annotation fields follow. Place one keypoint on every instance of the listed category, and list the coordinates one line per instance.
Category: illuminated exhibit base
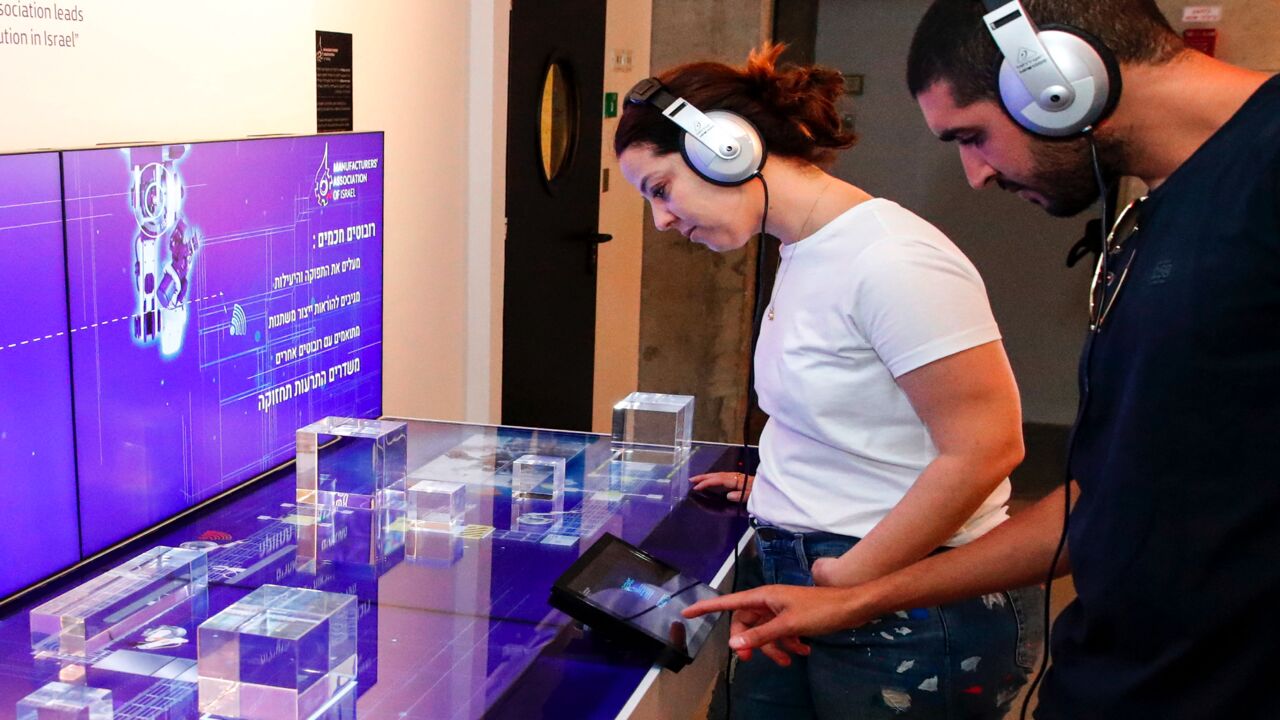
(278, 654)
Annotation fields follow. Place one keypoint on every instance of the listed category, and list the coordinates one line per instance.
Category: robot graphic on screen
(156, 196)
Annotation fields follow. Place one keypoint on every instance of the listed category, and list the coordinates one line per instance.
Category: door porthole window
(557, 122)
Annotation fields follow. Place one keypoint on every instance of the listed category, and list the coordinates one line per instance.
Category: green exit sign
(611, 105)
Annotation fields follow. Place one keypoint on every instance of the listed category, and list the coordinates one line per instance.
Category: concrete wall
(694, 323)
(617, 358)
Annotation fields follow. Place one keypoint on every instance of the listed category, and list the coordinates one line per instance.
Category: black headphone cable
(757, 314)
(1087, 360)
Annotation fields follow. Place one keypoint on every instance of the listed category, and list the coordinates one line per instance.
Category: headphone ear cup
(715, 169)
(1111, 66)
(1088, 65)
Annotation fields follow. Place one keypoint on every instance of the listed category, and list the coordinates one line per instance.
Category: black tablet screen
(646, 594)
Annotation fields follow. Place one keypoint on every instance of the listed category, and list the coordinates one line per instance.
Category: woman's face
(722, 218)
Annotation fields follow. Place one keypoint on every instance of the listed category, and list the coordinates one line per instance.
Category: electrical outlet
(622, 60)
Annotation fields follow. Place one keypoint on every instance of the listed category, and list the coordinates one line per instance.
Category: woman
(894, 417)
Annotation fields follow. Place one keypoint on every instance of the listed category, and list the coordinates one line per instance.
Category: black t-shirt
(1175, 542)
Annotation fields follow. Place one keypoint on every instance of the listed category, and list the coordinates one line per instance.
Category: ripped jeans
(962, 661)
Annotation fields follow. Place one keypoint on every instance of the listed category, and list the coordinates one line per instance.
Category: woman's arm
(969, 403)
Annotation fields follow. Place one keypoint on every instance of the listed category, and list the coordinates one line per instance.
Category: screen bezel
(608, 541)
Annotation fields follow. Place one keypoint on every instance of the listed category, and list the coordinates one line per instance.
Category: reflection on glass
(362, 582)
(557, 122)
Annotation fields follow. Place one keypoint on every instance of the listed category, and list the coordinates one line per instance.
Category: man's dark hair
(952, 43)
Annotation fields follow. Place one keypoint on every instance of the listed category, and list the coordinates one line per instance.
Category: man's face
(1055, 174)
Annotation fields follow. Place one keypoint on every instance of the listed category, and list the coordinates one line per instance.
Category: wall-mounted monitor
(222, 295)
(38, 535)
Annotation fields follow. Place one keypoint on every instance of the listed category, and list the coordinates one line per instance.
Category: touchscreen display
(644, 593)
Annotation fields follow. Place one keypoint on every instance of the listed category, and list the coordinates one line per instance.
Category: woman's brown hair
(792, 107)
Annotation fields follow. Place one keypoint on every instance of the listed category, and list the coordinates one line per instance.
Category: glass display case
(454, 622)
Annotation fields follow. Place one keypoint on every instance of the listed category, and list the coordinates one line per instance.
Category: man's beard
(1064, 175)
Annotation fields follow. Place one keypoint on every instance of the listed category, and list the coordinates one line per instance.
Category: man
(1173, 540)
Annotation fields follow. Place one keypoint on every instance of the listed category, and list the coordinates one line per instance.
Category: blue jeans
(960, 661)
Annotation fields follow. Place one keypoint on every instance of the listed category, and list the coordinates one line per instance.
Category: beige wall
(156, 70)
(1248, 35)
(617, 357)
(431, 74)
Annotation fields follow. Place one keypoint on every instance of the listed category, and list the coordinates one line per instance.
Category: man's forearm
(1016, 554)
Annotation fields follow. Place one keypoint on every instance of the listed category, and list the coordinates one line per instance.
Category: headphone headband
(1055, 82)
(726, 148)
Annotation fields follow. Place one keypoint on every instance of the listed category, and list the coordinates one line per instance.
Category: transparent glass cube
(437, 505)
(537, 514)
(279, 653)
(372, 537)
(91, 616)
(653, 427)
(364, 471)
(537, 476)
(60, 701)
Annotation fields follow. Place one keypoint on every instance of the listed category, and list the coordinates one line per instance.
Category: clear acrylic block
(60, 701)
(279, 653)
(537, 476)
(351, 536)
(537, 514)
(437, 505)
(360, 472)
(90, 617)
(653, 427)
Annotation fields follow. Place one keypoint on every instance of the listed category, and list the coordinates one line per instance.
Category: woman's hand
(736, 487)
(835, 572)
(824, 572)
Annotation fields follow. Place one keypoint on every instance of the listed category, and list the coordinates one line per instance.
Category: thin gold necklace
(778, 285)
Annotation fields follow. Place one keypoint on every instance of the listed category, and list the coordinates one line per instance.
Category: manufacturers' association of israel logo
(323, 188)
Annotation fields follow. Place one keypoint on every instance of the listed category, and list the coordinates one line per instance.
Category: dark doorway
(553, 207)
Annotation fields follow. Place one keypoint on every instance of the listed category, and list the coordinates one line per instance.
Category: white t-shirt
(874, 294)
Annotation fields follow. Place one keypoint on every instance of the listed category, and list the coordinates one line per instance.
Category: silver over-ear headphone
(722, 147)
(1056, 81)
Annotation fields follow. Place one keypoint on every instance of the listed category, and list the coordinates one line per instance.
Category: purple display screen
(37, 461)
(222, 295)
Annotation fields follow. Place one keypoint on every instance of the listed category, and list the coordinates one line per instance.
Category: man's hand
(773, 618)
(735, 486)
